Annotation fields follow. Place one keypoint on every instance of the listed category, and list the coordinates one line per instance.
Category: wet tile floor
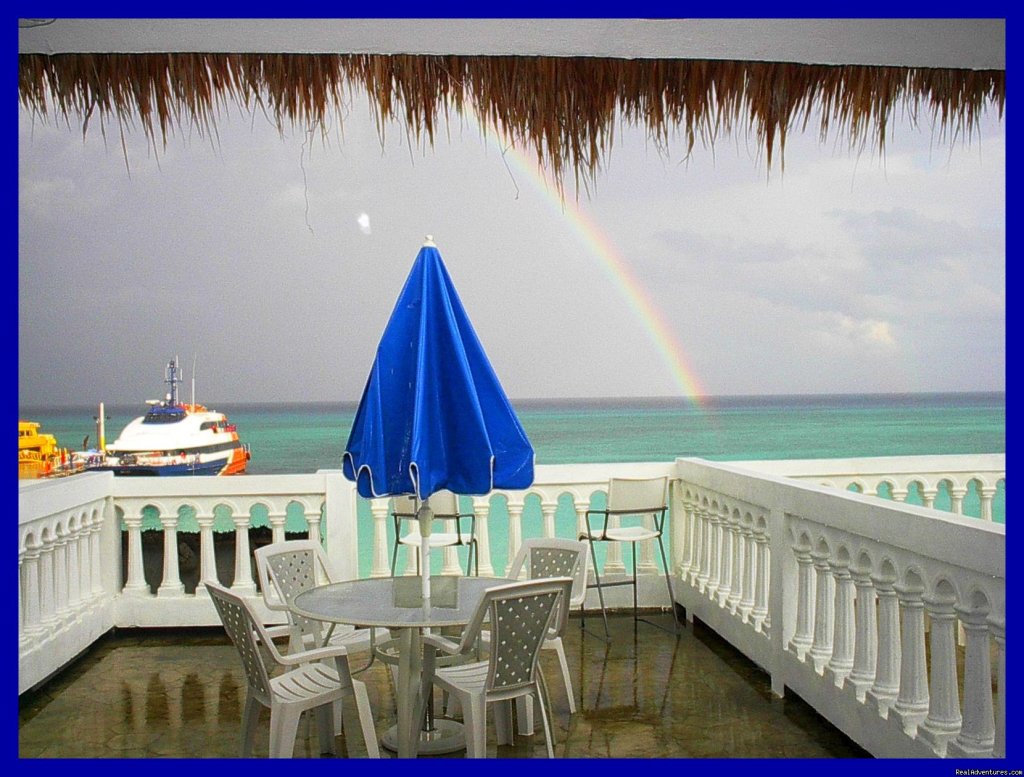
(644, 694)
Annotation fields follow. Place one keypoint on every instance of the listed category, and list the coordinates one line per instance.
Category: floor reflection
(644, 694)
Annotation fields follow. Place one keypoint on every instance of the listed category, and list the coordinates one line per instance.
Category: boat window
(163, 416)
(207, 425)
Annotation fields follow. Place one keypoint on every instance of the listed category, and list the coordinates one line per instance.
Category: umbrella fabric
(433, 414)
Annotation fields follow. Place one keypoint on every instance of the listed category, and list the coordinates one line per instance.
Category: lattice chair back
(243, 628)
(553, 557)
(520, 615)
(636, 496)
(303, 565)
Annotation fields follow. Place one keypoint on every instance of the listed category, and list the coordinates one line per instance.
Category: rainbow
(617, 271)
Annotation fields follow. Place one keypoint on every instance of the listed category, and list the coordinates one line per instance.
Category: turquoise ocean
(302, 438)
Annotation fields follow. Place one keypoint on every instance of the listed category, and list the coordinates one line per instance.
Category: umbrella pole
(426, 518)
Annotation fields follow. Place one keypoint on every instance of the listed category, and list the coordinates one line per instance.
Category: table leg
(409, 667)
(418, 730)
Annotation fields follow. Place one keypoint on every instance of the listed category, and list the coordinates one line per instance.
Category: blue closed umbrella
(433, 415)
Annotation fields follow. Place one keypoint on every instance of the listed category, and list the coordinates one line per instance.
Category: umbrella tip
(429, 241)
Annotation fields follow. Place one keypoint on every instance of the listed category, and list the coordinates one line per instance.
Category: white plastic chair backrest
(243, 630)
(628, 496)
(520, 617)
(553, 557)
(442, 502)
(404, 505)
(289, 568)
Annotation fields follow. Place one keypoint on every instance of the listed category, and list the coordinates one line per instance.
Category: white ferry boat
(174, 438)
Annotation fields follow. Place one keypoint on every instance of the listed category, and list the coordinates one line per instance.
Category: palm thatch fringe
(563, 108)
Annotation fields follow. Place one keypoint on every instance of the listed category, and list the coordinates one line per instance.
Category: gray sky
(276, 262)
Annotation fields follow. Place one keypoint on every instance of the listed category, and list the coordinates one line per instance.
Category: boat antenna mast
(194, 380)
(173, 379)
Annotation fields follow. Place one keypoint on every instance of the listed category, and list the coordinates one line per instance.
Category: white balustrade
(824, 588)
(860, 587)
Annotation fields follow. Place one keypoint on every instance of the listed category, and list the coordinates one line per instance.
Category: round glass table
(396, 603)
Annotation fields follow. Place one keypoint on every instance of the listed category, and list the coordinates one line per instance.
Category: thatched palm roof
(565, 109)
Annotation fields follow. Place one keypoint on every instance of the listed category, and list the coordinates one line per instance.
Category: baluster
(243, 583)
(956, 499)
(207, 553)
(998, 629)
(136, 585)
(313, 519)
(171, 586)
(746, 603)
(613, 550)
(977, 734)
(32, 616)
(95, 558)
(450, 561)
(482, 509)
(547, 510)
(276, 519)
(60, 573)
(515, 529)
(581, 531)
(844, 633)
(714, 550)
(900, 494)
(732, 601)
(943, 721)
(687, 546)
(886, 686)
(912, 703)
(699, 576)
(381, 559)
(83, 549)
(450, 564)
(762, 574)
(928, 496)
(73, 597)
(865, 642)
(803, 637)
(23, 640)
(381, 563)
(725, 571)
(824, 611)
(987, 494)
(47, 603)
(646, 565)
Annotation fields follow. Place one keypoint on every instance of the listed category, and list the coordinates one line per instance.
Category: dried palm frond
(564, 108)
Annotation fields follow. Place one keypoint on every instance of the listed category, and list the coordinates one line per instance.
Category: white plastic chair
(552, 557)
(310, 682)
(285, 570)
(445, 506)
(520, 617)
(630, 497)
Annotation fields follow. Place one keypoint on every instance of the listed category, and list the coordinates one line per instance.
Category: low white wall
(835, 594)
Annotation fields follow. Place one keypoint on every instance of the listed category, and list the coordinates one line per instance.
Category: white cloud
(868, 332)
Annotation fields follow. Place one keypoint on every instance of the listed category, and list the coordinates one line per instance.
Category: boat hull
(167, 470)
